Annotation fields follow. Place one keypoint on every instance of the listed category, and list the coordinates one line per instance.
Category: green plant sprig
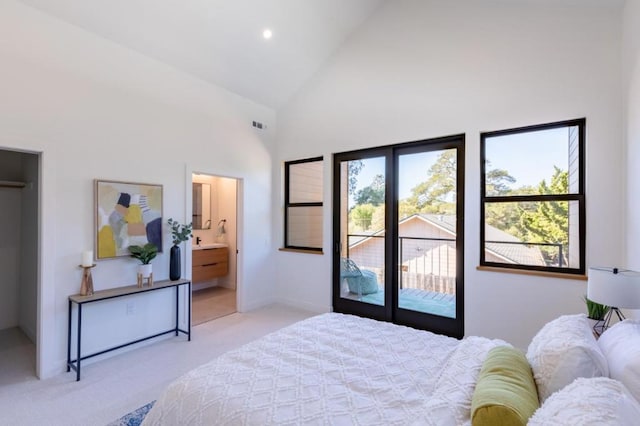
(596, 310)
(179, 232)
(145, 254)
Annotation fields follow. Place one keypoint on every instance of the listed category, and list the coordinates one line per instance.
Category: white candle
(87, 258)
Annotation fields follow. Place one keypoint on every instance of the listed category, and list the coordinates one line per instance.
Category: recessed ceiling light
(267, 33)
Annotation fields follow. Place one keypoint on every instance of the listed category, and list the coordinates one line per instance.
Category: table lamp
(616, 288)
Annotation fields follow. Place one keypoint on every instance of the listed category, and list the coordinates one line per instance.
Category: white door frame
(189, 172)
(47, 363)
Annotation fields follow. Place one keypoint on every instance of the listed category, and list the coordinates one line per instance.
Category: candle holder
(86, 287)
(142, 279)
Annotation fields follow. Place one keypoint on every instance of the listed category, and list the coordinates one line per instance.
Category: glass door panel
(362, 230)
(427, 218)
(399, 235)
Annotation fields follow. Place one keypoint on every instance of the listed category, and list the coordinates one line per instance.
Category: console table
(113, 293)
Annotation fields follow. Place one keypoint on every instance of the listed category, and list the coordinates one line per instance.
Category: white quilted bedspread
(332, 369)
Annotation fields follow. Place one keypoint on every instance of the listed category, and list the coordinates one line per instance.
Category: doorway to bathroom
(214, 247)
(19, 266)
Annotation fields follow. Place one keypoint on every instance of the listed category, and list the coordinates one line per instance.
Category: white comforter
(331, 369)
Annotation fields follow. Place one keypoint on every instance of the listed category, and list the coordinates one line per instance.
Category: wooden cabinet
(209, 264)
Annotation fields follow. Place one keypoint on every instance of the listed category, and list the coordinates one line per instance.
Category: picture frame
(126, 213)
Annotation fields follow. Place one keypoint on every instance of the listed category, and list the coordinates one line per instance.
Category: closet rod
(11, 184)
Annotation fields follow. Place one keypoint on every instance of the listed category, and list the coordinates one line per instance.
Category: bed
(342, 369)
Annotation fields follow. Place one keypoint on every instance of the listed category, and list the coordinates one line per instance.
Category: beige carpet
(112, 387)
(17, 357)
(211, 303)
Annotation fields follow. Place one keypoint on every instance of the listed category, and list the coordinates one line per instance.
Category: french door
(398, 234)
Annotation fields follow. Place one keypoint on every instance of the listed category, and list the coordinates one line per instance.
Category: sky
(514, 153)
(518, 153)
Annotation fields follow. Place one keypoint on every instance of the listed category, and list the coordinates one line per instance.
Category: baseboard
(61, 365)
(29, 333)
(202, 286)
(256, 305)
(306, 306)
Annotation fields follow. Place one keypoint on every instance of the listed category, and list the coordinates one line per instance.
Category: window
(532, 198)
(303, 204)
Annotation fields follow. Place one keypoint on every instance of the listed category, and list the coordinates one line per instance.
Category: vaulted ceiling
(221, 41)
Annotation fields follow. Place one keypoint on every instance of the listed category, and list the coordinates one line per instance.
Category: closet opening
(19, 264)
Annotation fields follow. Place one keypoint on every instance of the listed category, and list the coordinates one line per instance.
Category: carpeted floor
(211, 303)
(119, 384)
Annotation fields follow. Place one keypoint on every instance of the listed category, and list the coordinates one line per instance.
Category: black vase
(175, 269)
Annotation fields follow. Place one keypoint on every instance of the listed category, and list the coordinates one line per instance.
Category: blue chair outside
(360, 282)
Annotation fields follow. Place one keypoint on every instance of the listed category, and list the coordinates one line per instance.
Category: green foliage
(433, 195)
(534, 222)
(372, 194)
(506, 216)
(361, 216)
(354, 166)
(377, 218)
(497, 181)
(549, 222)
(145, 254)
(406, 208)
(595, 310)
(179, 232)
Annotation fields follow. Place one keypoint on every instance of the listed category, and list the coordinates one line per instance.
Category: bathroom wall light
(220, 232)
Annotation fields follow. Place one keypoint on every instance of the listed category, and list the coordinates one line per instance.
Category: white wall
(97, 110)
(420, 69)
(631, 88)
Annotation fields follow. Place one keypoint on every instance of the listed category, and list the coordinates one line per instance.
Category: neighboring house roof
(516, 253)
(354, 240)
(511, 253)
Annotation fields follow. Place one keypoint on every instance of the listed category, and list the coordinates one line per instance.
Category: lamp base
(607, 318)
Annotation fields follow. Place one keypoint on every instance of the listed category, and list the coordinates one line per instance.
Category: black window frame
(288, 204)
(579, 196)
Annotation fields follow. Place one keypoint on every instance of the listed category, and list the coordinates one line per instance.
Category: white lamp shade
(620, 290)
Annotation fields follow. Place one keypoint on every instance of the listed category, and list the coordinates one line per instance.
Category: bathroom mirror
(201, 206)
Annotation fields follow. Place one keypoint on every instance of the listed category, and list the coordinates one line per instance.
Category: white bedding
(331, 369)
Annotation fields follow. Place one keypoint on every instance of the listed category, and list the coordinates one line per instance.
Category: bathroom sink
(208, 246)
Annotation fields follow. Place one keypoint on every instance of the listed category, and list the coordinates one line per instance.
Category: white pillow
(620, 344)
(563, 350)
(593, 401)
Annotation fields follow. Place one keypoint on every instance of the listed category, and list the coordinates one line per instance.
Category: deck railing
(559, 261)
(425, 263)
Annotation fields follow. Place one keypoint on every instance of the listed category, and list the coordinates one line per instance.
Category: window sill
(300, 251)
(534, 273)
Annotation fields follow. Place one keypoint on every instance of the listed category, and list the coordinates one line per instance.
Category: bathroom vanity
(209, 261)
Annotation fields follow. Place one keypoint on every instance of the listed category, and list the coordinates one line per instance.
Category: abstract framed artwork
(126, 214)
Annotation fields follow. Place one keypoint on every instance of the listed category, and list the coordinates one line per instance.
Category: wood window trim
(546, 274)
(299, 250)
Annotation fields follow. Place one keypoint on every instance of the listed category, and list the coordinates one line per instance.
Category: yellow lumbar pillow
(505, 393)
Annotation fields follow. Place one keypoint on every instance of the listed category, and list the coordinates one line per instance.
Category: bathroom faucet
(197, 241)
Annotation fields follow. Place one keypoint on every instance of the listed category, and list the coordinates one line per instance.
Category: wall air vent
(259, 125)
